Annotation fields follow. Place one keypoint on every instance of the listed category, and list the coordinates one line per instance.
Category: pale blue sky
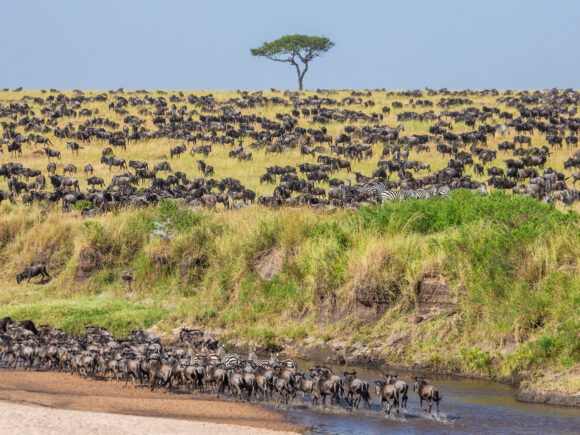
(174, 44)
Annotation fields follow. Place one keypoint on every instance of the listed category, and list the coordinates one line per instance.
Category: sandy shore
(44, 402)
(32, 419)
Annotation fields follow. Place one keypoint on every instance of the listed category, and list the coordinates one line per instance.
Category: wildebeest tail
(436, 396)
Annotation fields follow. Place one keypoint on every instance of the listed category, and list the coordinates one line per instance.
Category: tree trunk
(300, 82)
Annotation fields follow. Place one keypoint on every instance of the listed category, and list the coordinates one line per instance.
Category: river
(468, 406)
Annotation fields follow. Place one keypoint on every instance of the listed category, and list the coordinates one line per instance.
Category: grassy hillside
(510, 264)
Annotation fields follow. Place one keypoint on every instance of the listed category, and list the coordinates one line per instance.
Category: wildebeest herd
(453, 138)
(200, 363)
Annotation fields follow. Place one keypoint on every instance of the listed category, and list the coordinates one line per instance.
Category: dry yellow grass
(248, 172)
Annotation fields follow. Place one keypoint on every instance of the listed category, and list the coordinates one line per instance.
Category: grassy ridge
(511, 263)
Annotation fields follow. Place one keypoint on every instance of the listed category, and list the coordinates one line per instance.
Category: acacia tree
(294, 49)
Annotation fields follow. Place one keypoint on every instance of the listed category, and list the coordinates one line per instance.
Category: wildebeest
(401, 386)
(69, 168)
(426, 392)
(51, 153)
(4, 322)
(114, 161)
(176, 151)
(6, 195)
(31, 272)
(135, 164)
(73, 146)
(60, 181)
(162, 166)
(387, 393)
(95, 181)
(15, 148)
(355, 387)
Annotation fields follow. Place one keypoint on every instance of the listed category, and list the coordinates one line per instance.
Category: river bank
(475, 286)
(32, 419)
(55, 403)
(62, 391)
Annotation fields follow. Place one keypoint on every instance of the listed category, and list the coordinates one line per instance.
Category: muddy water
(468, 406)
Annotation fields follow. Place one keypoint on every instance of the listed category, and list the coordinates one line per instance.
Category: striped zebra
(213, 359)
(231, 360)
(374, 189)
(433, 190)
(252, 357)
(265, 365)
(481, 189)
(444, 191)
(199, 360)
(290, 363)
(420, 194)
(393, 195)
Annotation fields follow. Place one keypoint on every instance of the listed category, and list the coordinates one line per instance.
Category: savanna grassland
(507, 264)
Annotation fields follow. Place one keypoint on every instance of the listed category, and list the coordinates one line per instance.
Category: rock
(560, 388)
(432, 295)
(398, 338)
(532, 395)
(89, 261)
(338, 345)
(268, 263)
(415, 318)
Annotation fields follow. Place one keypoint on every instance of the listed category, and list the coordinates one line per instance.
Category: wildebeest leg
(430, 405)
(437, 407)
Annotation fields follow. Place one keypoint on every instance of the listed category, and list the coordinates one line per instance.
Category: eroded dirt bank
(63, 391)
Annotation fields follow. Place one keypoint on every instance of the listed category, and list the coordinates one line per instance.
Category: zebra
(213, 359)
(252, 356)
(434, 190)
(481, 189)
(273, 359)
(393, 195)
(290, 363)
(444, 191)
(420, 194)
(231, 360)
(273, 362)
(265, 364)
(198, 360)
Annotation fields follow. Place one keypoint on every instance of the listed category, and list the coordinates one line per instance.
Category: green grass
(72, 315)
(511, 263)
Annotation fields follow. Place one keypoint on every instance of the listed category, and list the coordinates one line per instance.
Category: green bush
(461, 208)
(476, 359)
(182, 218)
(82, 204)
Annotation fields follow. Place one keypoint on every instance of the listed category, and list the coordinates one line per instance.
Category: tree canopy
(294, 49)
